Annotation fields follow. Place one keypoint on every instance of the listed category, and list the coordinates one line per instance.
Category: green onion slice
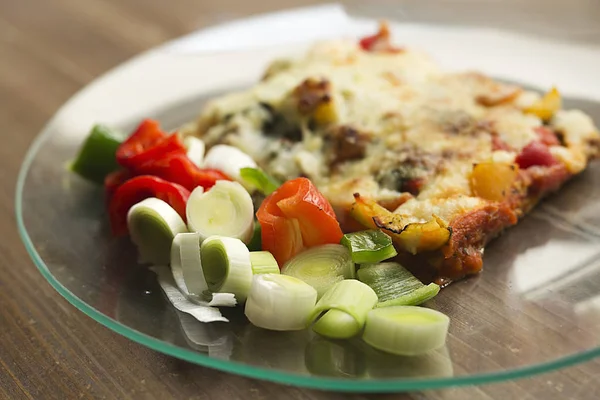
(96, 157)
(406, 330)
(263, 262)
(345, 305)
(280, 302)
(395, 285)
(202, 312)
(321, 266)
(371, 246)
(195, 150)
(225, 210)
(227, 266)
(257, 178)
(152, 226)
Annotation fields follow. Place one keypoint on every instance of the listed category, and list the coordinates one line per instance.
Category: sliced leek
(229, 160)
(225, 210)
(280, 302)
(263, 262)
(195, 150)
(345, 305)
(202, 312)
(257, 178)
(321, 266)
(395, 285)
(185, 257)
(227, 266)
(406, 330)
(206, 299)
(370, 246)
(152, 226)
(336, 324)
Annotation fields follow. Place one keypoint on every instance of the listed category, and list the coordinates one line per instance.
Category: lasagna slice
(443, 162)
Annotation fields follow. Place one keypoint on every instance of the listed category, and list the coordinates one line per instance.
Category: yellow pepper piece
(547, 106)
(493, 181)
(325, 113)
(409, 237)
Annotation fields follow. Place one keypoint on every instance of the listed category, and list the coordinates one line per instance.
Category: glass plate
(534, 308)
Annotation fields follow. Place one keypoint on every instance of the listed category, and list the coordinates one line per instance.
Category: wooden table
(50, 49)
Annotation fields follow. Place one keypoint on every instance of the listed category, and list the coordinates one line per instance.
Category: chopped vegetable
(406, 330)
(225, 210)
(195, 150)
(547, 106)
(255, 177)
(379, 42)
(370, 246)
(185, 257)
(395, 285)
(96, 158)
(296, 216)
(345, 305)
(139, 188)
(410, 237)
(337, 324)
(321, 266)
(202, 312)
(227, 266)
(152, 226)
(207, 298)
(178, 168)
(493, 181)
(263, 262)
(280, 302)
(279, 235)
(150, 151)
(147, 143)
(228, 159)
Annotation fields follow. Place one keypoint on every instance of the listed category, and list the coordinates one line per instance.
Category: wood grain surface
(48, 350)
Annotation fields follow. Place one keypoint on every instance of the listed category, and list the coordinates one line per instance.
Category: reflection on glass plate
(533, 309)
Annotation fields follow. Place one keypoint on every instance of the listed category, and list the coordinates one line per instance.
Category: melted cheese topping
(382, 124)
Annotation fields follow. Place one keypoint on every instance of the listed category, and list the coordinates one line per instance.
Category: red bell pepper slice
(139, 188)
(178, 168)
(296, 216)
(147, 135)
(147, 143)
(379, 42)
